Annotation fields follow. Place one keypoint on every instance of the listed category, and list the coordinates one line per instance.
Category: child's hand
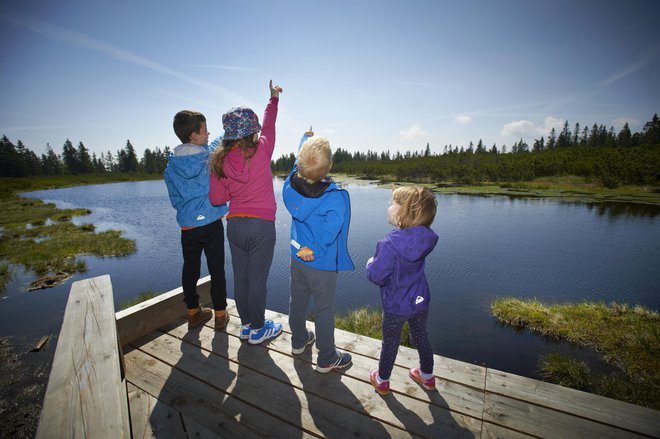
(306, 254)
(275, 91)
(369, 261)
(309, 133)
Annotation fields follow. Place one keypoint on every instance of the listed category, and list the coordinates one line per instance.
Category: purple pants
(392, 327)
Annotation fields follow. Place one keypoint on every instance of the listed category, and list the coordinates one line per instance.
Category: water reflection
(613, 210)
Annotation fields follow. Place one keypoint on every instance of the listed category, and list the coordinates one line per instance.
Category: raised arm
(267, 138)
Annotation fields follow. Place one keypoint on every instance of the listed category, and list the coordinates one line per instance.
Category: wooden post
(141, 319)
(86, 395)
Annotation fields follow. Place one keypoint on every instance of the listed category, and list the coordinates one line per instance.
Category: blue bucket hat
(240, 122)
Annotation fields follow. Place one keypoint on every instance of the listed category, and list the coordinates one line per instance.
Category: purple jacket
(398, 268)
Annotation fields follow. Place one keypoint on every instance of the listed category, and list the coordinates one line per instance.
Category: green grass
(142, 297)
(12, 186)
(627, 337)
(42, 237)
(565, 371)
(367, 321)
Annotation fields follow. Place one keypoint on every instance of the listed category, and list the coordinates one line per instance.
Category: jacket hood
(236, 167)
(414, 243)
(188, 166)
(300, 206)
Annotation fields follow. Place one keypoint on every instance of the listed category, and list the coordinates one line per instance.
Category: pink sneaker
(382, 388)
(416, 375)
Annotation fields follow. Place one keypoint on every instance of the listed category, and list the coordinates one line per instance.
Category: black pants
(211, 239)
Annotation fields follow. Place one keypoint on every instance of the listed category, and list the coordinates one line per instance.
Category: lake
(488, 248)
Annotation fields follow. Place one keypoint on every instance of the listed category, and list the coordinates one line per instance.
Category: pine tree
(50, 162)
(552, 140)
(9, 159)
(624, 138)
(651, 131)
(70, 158)
(84, 160)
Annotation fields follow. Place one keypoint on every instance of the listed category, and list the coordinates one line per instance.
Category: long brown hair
(246, 144)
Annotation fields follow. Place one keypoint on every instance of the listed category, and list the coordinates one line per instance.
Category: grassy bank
(627, 337)
(566, 188)
(42, 238)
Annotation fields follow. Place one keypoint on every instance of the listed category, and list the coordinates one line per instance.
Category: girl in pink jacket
(241, 175)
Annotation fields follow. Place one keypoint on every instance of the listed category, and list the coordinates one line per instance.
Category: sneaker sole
(373, 383)
(302, 349)
(264, 338)
(421, 383)
(330, 368)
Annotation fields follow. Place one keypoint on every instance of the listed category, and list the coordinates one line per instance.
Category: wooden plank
(85, 395)
(262, 383)
(605, 410)
(207, 405)
(349, 394)
(151, 419)
(540, 421)
(141, 319)
(444, 368)
(196, 430)
(456, 394)
(492, 431)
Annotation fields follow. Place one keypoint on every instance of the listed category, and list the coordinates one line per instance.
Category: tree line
(19, 161)
(597, 153)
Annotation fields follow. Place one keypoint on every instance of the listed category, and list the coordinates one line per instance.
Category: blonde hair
(418, 206)
(314, 159)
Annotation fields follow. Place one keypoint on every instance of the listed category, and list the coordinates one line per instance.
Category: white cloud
(463, 119)
(619, 122)
(518, 128)
(529, 131)
(550, 123)
(415, 132)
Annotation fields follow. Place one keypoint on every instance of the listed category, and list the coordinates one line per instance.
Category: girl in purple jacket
(398, 269)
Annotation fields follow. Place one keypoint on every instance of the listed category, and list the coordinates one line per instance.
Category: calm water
(488, 248)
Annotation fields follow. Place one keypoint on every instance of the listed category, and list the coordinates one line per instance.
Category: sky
(368, 75)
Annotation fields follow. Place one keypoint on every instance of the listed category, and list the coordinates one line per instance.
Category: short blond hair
(418, 206)
(314, 159)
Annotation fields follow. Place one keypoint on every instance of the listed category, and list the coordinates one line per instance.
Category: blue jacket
(320, 222)
(398, 268)
(187, 178)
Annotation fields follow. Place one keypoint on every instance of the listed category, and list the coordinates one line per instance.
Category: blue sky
(379, 75)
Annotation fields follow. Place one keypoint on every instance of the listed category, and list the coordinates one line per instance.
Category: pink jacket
(248, 184)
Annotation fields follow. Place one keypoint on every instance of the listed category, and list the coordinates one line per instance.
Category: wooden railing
(86, 394)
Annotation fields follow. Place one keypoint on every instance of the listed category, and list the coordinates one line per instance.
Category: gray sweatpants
(319, 286)
(252, 243)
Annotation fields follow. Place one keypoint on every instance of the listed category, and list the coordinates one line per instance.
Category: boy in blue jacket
(187, 178)
(321, 214)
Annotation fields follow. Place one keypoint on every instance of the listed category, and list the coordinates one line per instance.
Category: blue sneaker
(245, 332)
(268, 331)
(343, 360)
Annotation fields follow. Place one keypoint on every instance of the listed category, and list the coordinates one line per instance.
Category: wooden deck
(207, 384)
